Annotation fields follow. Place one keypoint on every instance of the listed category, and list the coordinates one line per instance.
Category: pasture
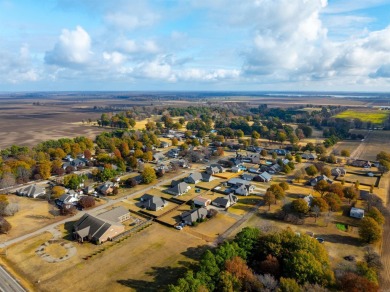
(365, 115)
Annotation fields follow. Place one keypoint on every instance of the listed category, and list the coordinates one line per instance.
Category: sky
(215, 45)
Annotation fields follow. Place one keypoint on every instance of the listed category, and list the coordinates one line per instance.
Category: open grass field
(366, 115)
(146, 261)
(32, 215)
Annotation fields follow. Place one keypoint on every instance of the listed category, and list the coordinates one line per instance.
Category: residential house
(275, 168)
(194, 215)
(68, 199)
(264, 177)
(338, 171)
(89, 190)
(207, 177)
(153, 203)
(173, 153)
(280, 151)
(356, 213)
(313, 182)
(236, 169)
(179, 189)
(244, 190)
(214, 169)
(117, 214)
(254, 157)
(225, 202)
(247, 176)
(32, 191)
(202, 202)
(309, 156)
(360, 163)
(164, 144)
(254, 170)
(193, 178)
(95, 229)
(308, 199)
(158, 156)
(237, 181)
(106, 188)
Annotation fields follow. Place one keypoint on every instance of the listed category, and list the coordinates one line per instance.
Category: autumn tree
(351, 193)
(352, 282)
(321, 187)
(175, 142)
(345, 153)
(270, 265)
(239, 269)
(300, 206)
(44, 169)
(321, 203)
(369, 230)
(87, 202)
(333, 201)
(5, 226)
(277, 190)
(73, 181)
(298, 158)
(288, 285)
(375, 214)
(269, 198)
(4, 202)
(299, 174)
(56, 192)
(148, 175)
(148, 156)
(311, 170)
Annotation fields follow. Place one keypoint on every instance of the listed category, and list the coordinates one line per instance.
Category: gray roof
(224, 201)
(153, 202)
(32, 190)
(178, 189)
(265, 175)
(247, 176)
(114, 214)
(194, 214)
(195, 176)
(235, 181)
(206, 177)
(92, 227)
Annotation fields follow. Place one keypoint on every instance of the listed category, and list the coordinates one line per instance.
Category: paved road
(9, 284)
(93, 211)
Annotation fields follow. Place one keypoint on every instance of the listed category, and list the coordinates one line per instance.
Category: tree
(87, 202)
(87, 154)
(131, 182)
(352, 282)
(369, 230)
(351, 193)
(5, 226)
(288, 285)
(68, 210)
(300, 206)
(56, 192)
(298, 158)
(148, 175)
(299, 174)
(4, 202)
(337, 188)
(333, 201)
(345, 153)
(263, 153)
(357, 184)
(238, 268)
(219, 151)
(73, 181)
(175, 141)
(375, 214)
(44, 169)
(311, 170)
(148, 156)
(269, 198)
(320, 203)
(255, 135)
(326, 171)
(270, 265)
(316, 210)
(321, 187)
(277, 191)
(332, 159)
(284, 186)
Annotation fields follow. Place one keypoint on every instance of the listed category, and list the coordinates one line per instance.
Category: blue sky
(195, 45)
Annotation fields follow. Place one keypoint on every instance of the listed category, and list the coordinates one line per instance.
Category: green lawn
(374, 116)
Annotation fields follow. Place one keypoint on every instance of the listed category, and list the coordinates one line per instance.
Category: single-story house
(106, 188)
(309, 156)
(244, 190)
(214, 169)
(254, 170)
(237, 181)
(95, 229)
(194, 215)
(153, 203)
(32, 191)
(68, 199)
(236, 169)
(206, 177)
(225, 202)
(319, 178)
(361, 163)
(254, 157)
(164, 144)
(193, 178)
(264, 177)
(179, 189)
(308, 199)
(247, 176)
(117, 214)
(275, 168)
(158, 156)
(89, 190)
(356, 213)
(338, 171)
(202, 202)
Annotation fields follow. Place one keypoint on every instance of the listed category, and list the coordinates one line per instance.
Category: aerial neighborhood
(202, 176)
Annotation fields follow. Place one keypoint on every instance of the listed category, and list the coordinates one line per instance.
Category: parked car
(320, 240)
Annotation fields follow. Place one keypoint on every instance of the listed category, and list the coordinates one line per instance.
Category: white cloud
(73, 48)
(114, 57)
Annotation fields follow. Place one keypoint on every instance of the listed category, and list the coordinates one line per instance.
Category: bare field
(146, 261)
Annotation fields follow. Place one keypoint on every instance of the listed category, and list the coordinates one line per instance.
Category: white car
(179, 227)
